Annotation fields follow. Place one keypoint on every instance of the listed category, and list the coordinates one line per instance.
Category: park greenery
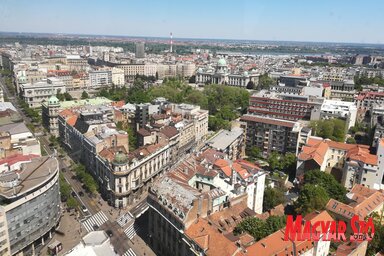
(318, 189)
(364, 80)
(64, 96)
(265, 81)
(259, 228)
(224, 103)
(333, 129)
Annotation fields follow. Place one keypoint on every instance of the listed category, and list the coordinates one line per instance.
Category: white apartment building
(198, 116)
(34, 94)
(100, 78)
(339, 109)
(118, 76)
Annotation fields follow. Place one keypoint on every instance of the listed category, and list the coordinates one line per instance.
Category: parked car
(84, 209)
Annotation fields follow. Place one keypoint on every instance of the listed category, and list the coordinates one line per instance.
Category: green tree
(351, 140)
(274, 223)
(259, 228)
(253, 226)
(333, 188)
(275, 161)
(84, 95)
(67, 96)
(65, 188)
(377, 243)
(311, 198)
(72, 203)
(251, 85)
(333, 129)
(272, 198)
(265, 81)
(217, 123)
(132, 138)
(192, 79)
(254, 152)
(90, 184)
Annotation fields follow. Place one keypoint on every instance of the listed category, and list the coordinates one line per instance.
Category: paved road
(94, 204)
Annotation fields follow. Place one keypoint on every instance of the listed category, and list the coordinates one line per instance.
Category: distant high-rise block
(140, 50)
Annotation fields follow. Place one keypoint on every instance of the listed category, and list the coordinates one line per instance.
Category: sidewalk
(73, 232)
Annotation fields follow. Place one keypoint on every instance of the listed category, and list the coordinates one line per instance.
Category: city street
(93, 203)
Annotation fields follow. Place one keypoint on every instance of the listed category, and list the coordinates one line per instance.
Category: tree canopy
(377, 243)
(333, 188)
(333, 129)
(84, 95)
(224, 103)
(259, 228)
(89, 183)
(265, 81)
(311, 198)
(272, 198)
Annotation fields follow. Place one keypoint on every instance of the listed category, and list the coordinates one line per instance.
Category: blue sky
(291, 20)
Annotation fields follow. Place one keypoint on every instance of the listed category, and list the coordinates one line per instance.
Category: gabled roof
(364, 202)
(169, 131)
(317, 148)
(211, 240)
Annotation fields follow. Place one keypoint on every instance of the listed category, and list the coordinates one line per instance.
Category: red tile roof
(169, 131)
(17, 158)
(144, 132)
(317, 148)
(211, 240)
(365, 202)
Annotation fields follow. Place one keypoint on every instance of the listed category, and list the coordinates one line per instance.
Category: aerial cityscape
(171, 128)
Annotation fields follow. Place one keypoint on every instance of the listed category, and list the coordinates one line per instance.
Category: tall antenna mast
(171, 43)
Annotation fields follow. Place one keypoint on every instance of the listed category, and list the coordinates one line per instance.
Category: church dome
(53, 100)
(200, 70)
(221, 62)
(245, 73)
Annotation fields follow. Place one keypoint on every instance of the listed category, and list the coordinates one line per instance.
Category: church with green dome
(220, 74)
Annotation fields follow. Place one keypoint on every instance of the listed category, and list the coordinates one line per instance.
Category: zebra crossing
(124, 219)
(130, 231)
(97, 219)
(130, 252)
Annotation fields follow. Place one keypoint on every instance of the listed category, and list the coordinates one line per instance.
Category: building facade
(221, 75)
(270, 134)
(100, 78)
(32, 209)
(37, 93)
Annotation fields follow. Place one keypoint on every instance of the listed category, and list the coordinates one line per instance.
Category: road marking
(97, 219)
(124, 219)
(130, 232)
(130, 252)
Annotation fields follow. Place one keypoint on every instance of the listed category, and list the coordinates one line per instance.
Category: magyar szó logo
(328, 230)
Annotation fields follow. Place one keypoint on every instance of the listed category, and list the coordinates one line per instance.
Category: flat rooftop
(30, 175)
(224, 138)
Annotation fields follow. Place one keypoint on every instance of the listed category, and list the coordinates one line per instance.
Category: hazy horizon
(323, 21)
